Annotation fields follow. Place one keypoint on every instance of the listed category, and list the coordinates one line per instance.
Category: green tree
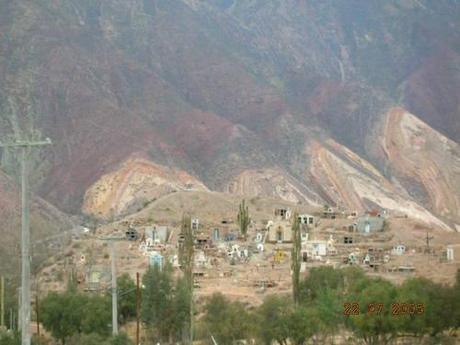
(273, 320)
(378, 327)
(455, 303)
(328, 307)
(303, 323)
(320, 279)
(296, 258)
(88, 339)
(126, 299)
(62, 314)
(157, 298)
(243, 218)
(181, 310)
(71, 313)
(121, 339)
(97, 339)
(436, 301)
(227, 321)
(9, 339)
(186, 252)
(97, 315)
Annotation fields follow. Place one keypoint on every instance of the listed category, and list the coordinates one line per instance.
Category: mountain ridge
(221, 88)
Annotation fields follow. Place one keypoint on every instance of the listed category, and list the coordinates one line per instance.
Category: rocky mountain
(136, 183)
(45, 221)
(314, 101)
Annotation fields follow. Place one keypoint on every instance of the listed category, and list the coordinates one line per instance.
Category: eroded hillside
(271, 183)
(350, 182)
(424, 161)
(136, 183)
(225, 88)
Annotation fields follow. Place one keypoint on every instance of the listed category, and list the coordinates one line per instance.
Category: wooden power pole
(138, 307)
(25, 146)
(2, 302)
(428, 239)
(37, 314)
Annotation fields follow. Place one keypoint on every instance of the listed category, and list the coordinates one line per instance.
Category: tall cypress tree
(186, 251)
(296, 258)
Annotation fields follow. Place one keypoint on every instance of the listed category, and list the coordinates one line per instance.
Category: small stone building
(306, 219)
(282, 213)
(157, 233)
(369, 224)
(279, 232)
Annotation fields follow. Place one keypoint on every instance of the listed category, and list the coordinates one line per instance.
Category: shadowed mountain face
(46, 222)
(222, 88)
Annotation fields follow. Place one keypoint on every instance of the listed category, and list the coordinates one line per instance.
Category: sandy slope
(135, 182)
(353, 183)
(418, 154)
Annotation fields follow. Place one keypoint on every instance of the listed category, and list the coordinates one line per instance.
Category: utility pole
(114, 283)
(2, 302)
(18, 317)
(37, 314)
(428, 239)
(25, 146)
(114, 293)
(138, 307)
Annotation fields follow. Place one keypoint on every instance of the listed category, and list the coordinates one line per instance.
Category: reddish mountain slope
(45, 221)
(425, 161)
(136, 182)
(432, 92)
(298, 90)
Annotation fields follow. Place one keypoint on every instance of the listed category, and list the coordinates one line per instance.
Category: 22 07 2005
(377, 308)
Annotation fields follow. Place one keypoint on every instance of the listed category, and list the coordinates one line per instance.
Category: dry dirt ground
(246, 281)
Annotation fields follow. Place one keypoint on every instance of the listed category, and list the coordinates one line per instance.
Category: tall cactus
(243, 218)
(296, 258)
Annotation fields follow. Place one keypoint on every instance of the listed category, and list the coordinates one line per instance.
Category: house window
(310, 220)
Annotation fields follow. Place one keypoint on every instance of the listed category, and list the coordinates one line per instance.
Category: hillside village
(247, 267)
(229, 172)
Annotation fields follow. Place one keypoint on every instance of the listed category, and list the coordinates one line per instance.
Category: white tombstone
(367, 259)
(367, 229)
(399, 249)
(450, 253)
(195, 223)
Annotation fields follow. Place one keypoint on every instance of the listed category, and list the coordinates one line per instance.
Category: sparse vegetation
(165, 305)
